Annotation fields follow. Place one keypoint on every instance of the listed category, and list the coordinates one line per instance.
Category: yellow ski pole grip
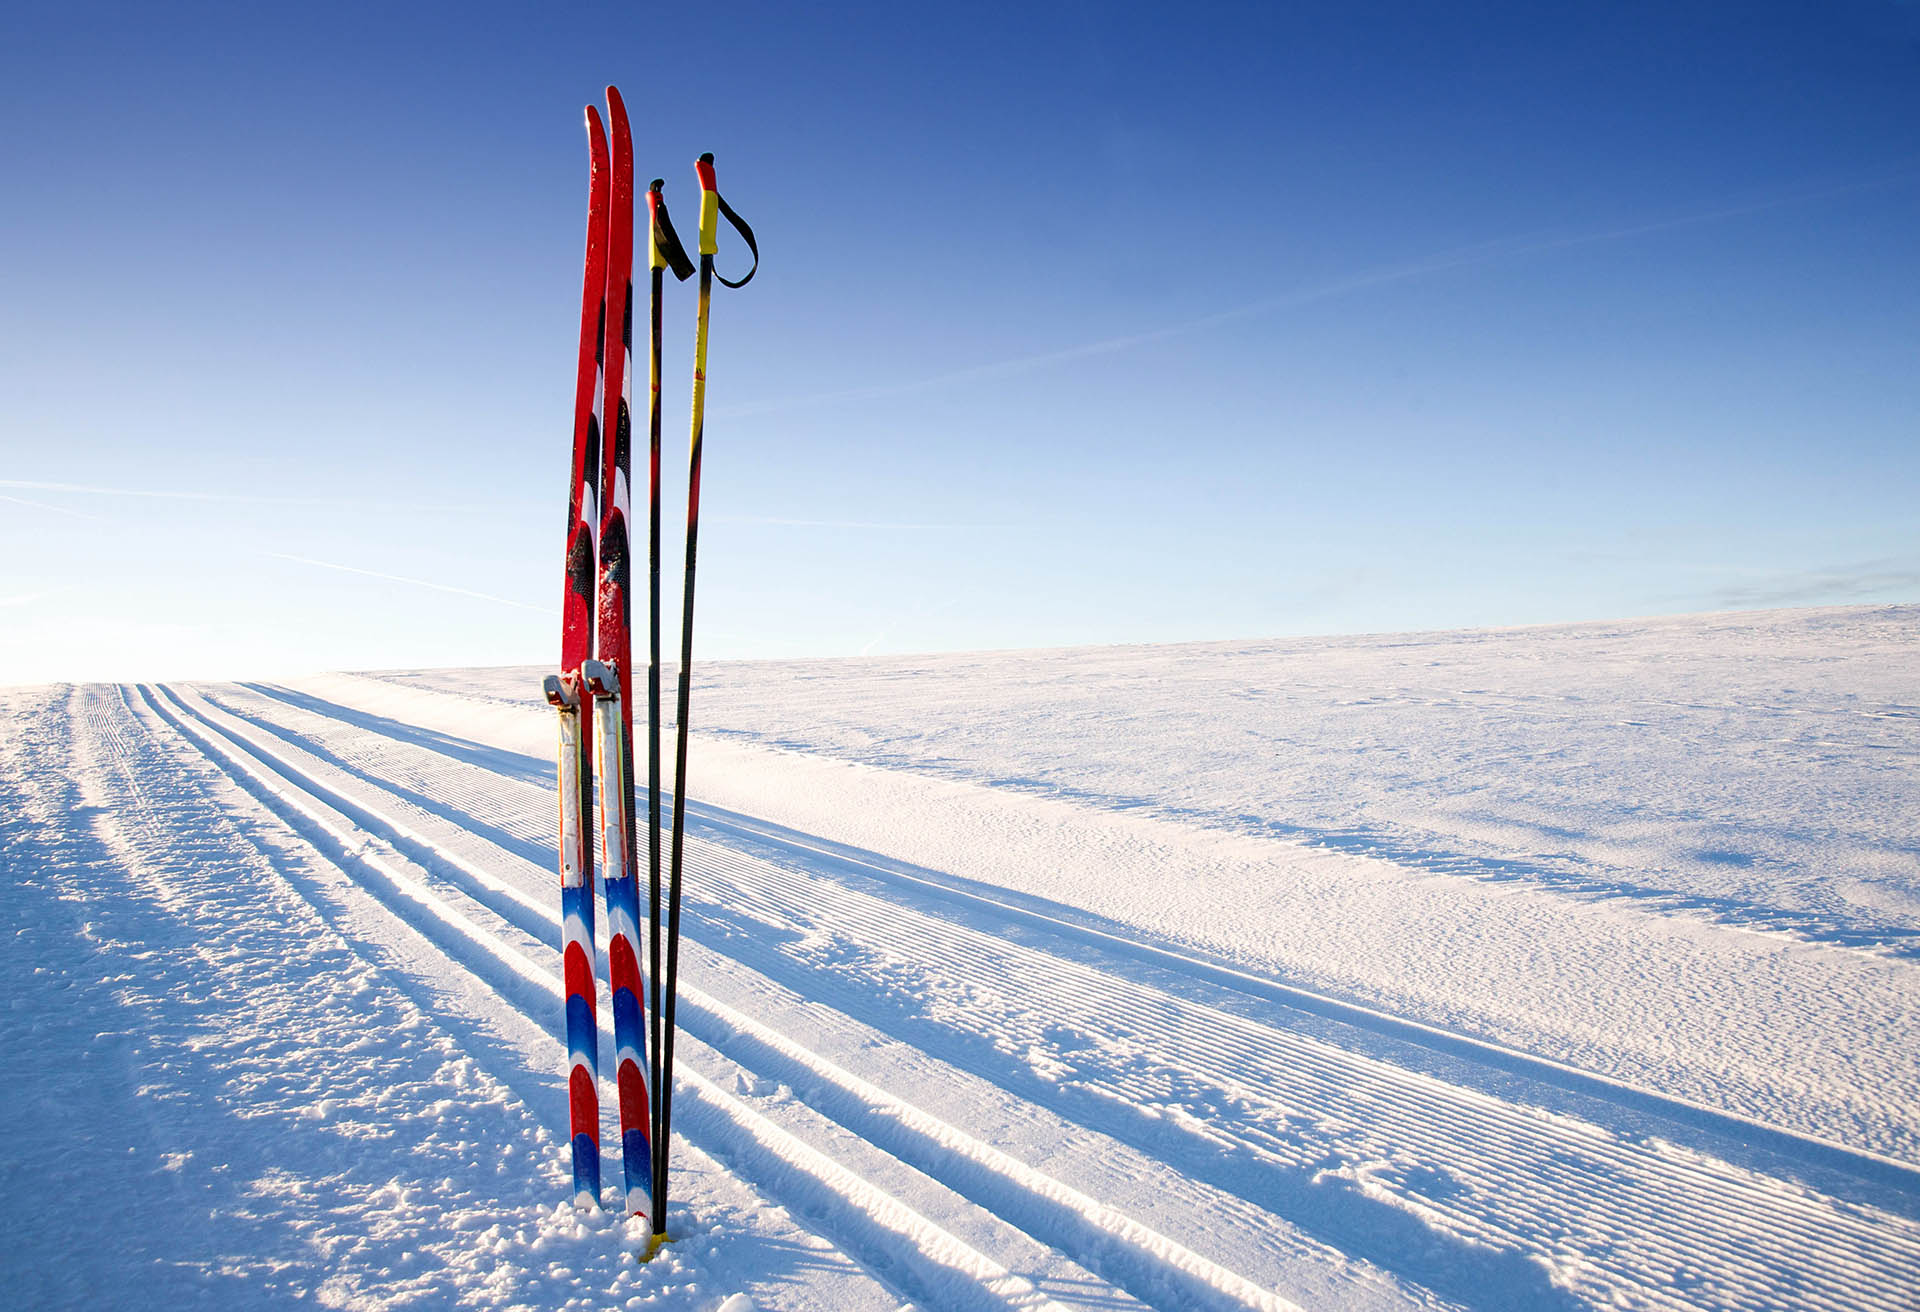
(663, 244)
(709, 206)
(656, 258)
(713, 208)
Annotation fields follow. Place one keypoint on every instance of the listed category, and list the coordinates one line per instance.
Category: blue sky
(1077, 323)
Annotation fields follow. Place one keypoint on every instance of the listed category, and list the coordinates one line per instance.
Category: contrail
(402, 578)
(1486, 252)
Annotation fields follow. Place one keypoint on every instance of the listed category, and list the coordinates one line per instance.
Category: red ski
(564, 692)
(610, 679)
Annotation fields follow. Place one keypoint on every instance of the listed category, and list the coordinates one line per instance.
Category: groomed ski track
(958, 1104)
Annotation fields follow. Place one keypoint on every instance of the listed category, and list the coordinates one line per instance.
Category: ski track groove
(533, 832)
(926, 1241)
(180, 884)
(1901, 1178)
(1124, 1230)
(1305, 1061)
(1125, 1238)
(1699, 1204)
(1733, 1201)
(926, 1237)
(1129, 1236)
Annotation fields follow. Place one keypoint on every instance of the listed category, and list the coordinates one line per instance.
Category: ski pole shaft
(709, 245)
(656, 266)
(712, 208)
(664, 252)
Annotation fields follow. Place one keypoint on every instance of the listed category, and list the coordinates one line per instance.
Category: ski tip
(622, 137)
(596, 138)
(596, 152)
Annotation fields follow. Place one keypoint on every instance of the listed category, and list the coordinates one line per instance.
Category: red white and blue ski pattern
(567, 693)
(614, 714)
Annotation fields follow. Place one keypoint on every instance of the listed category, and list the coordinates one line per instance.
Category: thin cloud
(22, 599)
(847, 523)
(228, 498)
(1838, 584)
(402, 578)
(50, 509)
(1488, 252)
(274, 555)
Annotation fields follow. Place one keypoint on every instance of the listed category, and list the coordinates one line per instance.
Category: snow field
(965, 1024)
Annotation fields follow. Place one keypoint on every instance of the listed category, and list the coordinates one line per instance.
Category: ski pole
(711, 208)
(664, 252)
(563, 692)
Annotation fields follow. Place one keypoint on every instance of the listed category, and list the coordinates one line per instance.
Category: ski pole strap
(664, 250)
(746, 233)
(712, 207)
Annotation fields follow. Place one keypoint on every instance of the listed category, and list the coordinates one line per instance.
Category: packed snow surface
(1560, 967)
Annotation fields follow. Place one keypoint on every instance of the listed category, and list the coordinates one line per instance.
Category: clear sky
(1076, 323)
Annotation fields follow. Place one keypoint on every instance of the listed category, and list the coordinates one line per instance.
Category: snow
(1554, 967)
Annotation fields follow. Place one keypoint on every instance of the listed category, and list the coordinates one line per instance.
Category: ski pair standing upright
(598, 686)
